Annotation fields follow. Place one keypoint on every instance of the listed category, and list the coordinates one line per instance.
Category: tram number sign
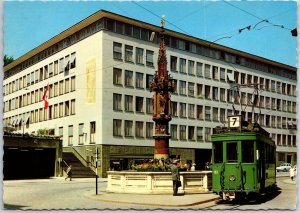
(234, 121)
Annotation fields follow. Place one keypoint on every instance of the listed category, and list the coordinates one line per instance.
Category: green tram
(243, 158)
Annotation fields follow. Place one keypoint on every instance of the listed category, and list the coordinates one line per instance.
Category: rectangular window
(139, 55)
(73, 84)
(222, 115)
(73, 61)
(207, 71)
(117, 76)
(215, 93)
(191, 111)
(73, 107)
(217, 152)
(128, 53)
(199, 133)
(191, 133)
(191, 91)
(215, 73)
(148, 80)
(191, 68)
(207, 92)
(128, 129)
(117, 125)
(182, 65)
(200, 112)
(61, 87)
(55, 67)
(222, 94)
(139, 104)
(149, 106)
(173, 63)
(199, 71)
(128, 103)
(61, 110)
(182, 87)
(117, 50)
(199, 90)
(182, 112)
(92, 132)
(182, 132)
(215, 114)
(80, 133)
(174, 109)
(139, 129)
(149, 129)
(50, 70)
(174, 132)
(67, 108)
(149, 58)
(139, 80)
(117, 101)
(222, 75)
(232, 152)
(207, 113)
(67, 85)
(207, 134)
(128, 78)
(70, 135)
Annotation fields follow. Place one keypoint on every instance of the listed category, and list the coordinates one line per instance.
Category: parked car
(284, 167)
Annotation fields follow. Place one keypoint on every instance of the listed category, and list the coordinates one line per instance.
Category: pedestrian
(193, 167)
(292, 172)
(69, 173)
(175, 177)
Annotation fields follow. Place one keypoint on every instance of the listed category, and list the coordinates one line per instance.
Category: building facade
(99, 72)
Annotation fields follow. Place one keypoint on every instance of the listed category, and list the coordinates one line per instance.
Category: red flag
(46, 103)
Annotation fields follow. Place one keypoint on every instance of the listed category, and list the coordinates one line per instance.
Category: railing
(157, 182)
(82, 159)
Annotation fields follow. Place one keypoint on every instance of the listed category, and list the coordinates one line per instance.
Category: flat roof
(103, 13)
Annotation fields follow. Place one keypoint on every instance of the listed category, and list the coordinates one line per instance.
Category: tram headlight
(232, 177)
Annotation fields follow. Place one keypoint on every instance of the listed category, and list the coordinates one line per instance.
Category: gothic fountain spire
(162, 86)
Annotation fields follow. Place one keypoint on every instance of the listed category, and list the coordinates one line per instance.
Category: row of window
(54, 111)
(55, 89)
(82, 133)
(62, 65)
(219, 74)
(139, 129)
(170, 41)
(140, 54)
(200, 112)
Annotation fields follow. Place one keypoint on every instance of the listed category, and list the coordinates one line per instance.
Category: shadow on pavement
(12, 206)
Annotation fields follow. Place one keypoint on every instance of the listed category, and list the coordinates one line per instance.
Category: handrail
(65, 163)
(88, 164)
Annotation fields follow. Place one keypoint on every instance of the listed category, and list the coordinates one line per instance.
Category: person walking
(175, 177)
(292, 172)
(69, 173)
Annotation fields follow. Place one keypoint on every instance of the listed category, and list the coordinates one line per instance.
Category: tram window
(232, 152)
(247, 151)
(218, 152)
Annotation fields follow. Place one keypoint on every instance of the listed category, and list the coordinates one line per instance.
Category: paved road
(284, 198)
(61, 194)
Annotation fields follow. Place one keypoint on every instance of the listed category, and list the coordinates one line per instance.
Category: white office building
(98, 73)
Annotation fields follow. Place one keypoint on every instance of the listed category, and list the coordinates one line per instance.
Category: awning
(25, 120)
(230, 77)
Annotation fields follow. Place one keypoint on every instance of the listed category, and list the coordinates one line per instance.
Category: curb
(93, 197)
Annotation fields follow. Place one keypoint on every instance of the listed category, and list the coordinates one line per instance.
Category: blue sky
(29, 24)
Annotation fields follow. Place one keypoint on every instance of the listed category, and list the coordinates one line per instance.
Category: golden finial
(162, 20)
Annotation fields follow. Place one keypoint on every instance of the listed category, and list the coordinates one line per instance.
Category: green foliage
(42, 132)
(7, 59)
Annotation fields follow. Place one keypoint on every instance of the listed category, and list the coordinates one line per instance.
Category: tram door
(232, 169)
(261, 165)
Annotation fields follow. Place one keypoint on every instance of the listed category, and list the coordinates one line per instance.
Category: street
(79, 193)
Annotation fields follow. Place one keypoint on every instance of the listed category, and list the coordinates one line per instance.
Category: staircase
(78, 169)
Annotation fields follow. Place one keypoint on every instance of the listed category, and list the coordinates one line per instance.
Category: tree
(7, 59)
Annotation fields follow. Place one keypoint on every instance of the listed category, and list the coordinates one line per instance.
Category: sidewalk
(161, 200)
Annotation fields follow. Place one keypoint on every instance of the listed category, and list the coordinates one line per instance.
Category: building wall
(96, 90)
